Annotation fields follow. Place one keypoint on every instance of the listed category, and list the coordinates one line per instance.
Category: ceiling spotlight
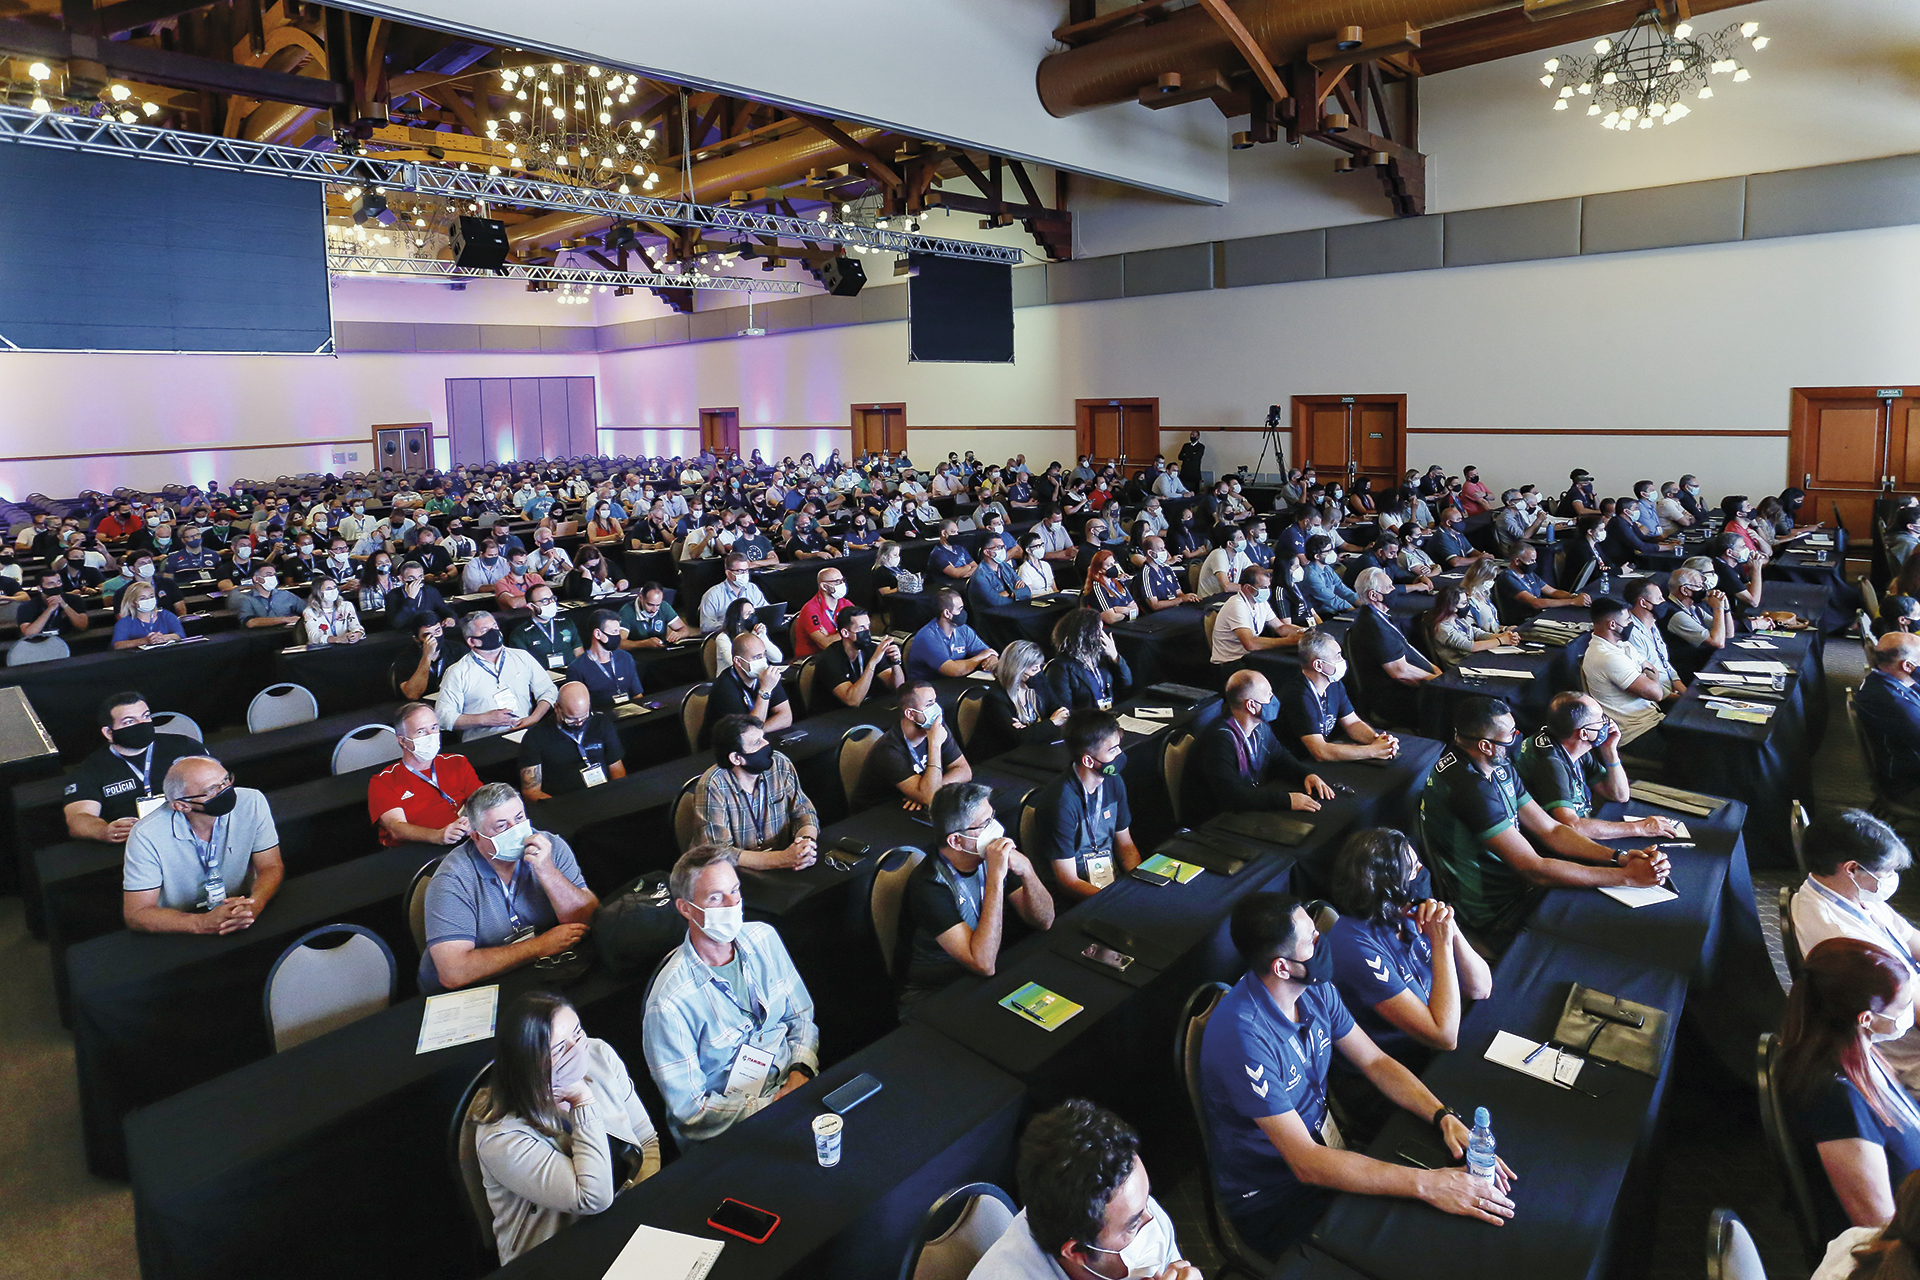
(127, 117)
(41, 105)
(150, 108)
(120, 93)
(40, 71)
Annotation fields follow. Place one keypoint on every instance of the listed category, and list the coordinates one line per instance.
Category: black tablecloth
(1574, 1154)
(942, 1118)
(1171, 644)
(156, 1013)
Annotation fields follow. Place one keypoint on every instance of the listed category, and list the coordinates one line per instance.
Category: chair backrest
(686, 817)
(693, 715)
(369, 745)
(889, 889)
(966, 715)
(1789, 937)
(1869, 749)
(280, 705)
(1029, 823)
(1189, 1032)
(416, 903)
(1773, 1122)
(809, 675)
(1731, 1254)
(42, 648)
(313, 989)
(475, 1101)
(1866, 635)
(855, 745)
(1869, 597)
(710, 654)
(906, 653)
(177, 722)
(1173, 767)
(1797, 829)
(957, 1231)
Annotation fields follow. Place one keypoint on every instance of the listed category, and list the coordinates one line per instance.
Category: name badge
(622, 699)
(521, 934)
(1105, 704)
(593, 775)
(503, 698)
(1100, 869)
(144, 805)
(556, 661)
(751, 1066)
(1330, 1133)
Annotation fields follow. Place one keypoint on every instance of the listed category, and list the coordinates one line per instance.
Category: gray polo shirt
(468, 902)
(281, 604)
(161, 853)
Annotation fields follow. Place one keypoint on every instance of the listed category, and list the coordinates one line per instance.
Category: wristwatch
(1444, 1112)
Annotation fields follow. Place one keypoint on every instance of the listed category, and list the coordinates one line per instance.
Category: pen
(1676, 844)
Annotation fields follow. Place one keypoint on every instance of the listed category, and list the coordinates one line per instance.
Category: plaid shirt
(767, 819)
(693, 1032)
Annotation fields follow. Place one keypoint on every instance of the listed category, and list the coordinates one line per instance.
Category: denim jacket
(1326, 592)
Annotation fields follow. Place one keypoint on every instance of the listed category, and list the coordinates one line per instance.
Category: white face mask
(1885, 886)
(147, 605)
(755, 666)
(427, 746)
(1901, 1025)
(507, 845)
(243, 554)
(329, 594)
(835, 590)
(548, 609)
(269, 582)
(723, 924)
(1147, 1254)
(988, 834)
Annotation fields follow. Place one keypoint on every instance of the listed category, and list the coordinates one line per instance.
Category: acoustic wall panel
(1663, 217)
(1513, 233)
(519, 419)
(1835, 197)
(1375, 248)
(100, 253)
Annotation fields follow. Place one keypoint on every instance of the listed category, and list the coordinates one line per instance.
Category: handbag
(635, 927)
(1600, 1027)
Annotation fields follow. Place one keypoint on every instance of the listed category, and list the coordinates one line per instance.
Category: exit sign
(1890, 393)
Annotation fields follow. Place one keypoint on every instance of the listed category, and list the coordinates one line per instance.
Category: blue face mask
(1270, 710)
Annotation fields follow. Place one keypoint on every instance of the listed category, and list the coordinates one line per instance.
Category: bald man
(1889, 706)
(574, 748)
(207, 861)
(1238, 764)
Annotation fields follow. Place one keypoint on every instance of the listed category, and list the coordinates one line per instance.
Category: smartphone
(1151, 877)
(852, 847)
(738, 1218)
(851, 1094)
(1422, 1157)
(1107, 956)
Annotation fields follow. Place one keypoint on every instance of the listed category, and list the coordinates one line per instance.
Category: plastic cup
(826, 1139)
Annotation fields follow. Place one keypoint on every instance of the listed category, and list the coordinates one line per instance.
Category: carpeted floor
(59, 1223)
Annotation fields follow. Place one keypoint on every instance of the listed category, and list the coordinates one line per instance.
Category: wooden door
(1351, 436)
(1851, 445)
(720, 430)
(879, 426)
(1124, 431)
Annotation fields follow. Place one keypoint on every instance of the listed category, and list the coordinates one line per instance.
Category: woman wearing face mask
(562, 1130)
(593, 577)
(889, 578)
(1846, 1109)
(330, 617)
(1476, 590)
(741, 620)
(605, 529)
(1403, 968)
(1089, 671)
(377, 583)
(1447, 633)
(1360, 503)
(1036, 574)
(142, 623)
(1106, 593)
(862, 534)
(1019, 706)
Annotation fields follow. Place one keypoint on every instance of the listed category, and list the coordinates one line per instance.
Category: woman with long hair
(740, 620)
(1089, 671)
(1869, 1253)
(563, 1129)
(1106, 592)
(1845, 1105)
(1476, 586)
(605, 529)
(1448, 633)
(1019, 706)
(330, 617)
(593, 577)
(141, 622)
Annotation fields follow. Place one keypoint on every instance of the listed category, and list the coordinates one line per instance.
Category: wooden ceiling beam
(1471, 41)
(1377, 43)
(875, 165)
(1263, 69)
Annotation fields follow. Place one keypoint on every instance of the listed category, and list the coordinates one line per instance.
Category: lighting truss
(375, 264)
(143, 142)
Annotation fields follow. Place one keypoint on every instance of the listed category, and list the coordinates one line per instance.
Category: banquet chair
(1173, 767)
(42, 648)
(686, 815)
(280, 705)
(365, 747)
(693, 715)
(177, 722)
(1786, 1155)
(1730, 1251)
(415, 902)
(1190, 1031)
(330, 976)
(957, 1230)
(1797, 832)
(855, 745)
(475, 1101)
(966, 715)
(884, 901)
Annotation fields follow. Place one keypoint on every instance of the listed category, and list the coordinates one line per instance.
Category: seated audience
(142, 623)
(1450, 632)
(1020, 706)
(1629, 690)
(735, 586)
(418, 799)
(551, 638)
(266, 604)
(1576, 759)
(1314, 707)
(1322, 586)
(1700, 622)
(1390, 670)
(1264, 1068)
(947, 646)
(123, 781)
(503, 897)
(750, 800)
(1247, 623)
(1082, 825)
(996, 581)
(208, 861)
(1888, 704)
(605, 668)
(574, 748)
(1237, 762)
(856, 665)
(914, 758)
(417, 673)
(1522, 592)
(493, 689)
(414, 596)
(649, 622)
(750, 686)
(1089, 671)
(729, 1024)
(814, 626)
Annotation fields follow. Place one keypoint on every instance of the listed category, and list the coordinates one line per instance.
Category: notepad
(518, 735)
(653, 1254)
(1507, 648)
(1509, 1050)
(978, 674)
(1756, 644)
(458, 1017)
(1133, 724)
(1046, 1009)
(1765, 667)
(1172, 868)
(1639, 896)
(1494, 673)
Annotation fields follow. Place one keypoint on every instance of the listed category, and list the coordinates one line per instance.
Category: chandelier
(45, 88)
(1643, 74)
(577, 123)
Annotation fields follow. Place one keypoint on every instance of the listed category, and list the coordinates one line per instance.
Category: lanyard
(208, 850)
(1578, 776)
(613, 677)
(1089, 806)
(507, 888)
(144, 772)
(757, 812)
(1243, 747)
(579, 743)
(548, 629)
(432, 778)
(1860, 914)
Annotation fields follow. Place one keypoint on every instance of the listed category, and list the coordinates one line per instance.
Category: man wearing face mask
(121, 782)
(947, 646)
(1389, 668)
(207, 861)
(1264, 1070)
(813, 629)
(856, 665)
(1575, 759)
(649, 622)
(958, 898)
(1517, 523)
(1321, 585)
(1449, 545)
(1052, 530)
(418, 799)
(510, 590)
(1083, 824)
(997, 583)
(267, 604)
(1158, 584)
(236, 568)
(1479, 823)
(735, 586)
(1238, 764)
(750, 800)
(413, 598)
(1620, 679)
(605, 668)
(1247, 623)
(483, 570)
(1888, 705)
(750, 686)
(195, 562)
(1089, 1214)
(950, 559)
(729, 1024)
(502, 897)
(493, 689)
(1315, 706)
(914, 758)
(435, 560)
(1737, 574)
(417, 673)
(574, 748)
(1854, 861)
(552, 639)
(1522, 592)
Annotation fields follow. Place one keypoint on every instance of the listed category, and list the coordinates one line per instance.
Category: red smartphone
(738, 1218)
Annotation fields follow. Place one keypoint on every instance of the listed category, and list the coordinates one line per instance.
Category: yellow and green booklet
(1172, 868)
(1040, 1006)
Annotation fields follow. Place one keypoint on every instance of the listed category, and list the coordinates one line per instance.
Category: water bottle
(1480, 1157)
(1606, 580)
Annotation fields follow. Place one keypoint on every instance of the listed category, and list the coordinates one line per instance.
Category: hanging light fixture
(1645, 74)
(583, 130)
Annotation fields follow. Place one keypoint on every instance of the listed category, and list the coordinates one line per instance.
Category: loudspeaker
(843, 277)
(480, 242)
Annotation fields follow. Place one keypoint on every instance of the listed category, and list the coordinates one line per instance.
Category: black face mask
(863, 640)
(220, 805)
(492, 641)
(757, 761)
(134, 737)
(1318, 966)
